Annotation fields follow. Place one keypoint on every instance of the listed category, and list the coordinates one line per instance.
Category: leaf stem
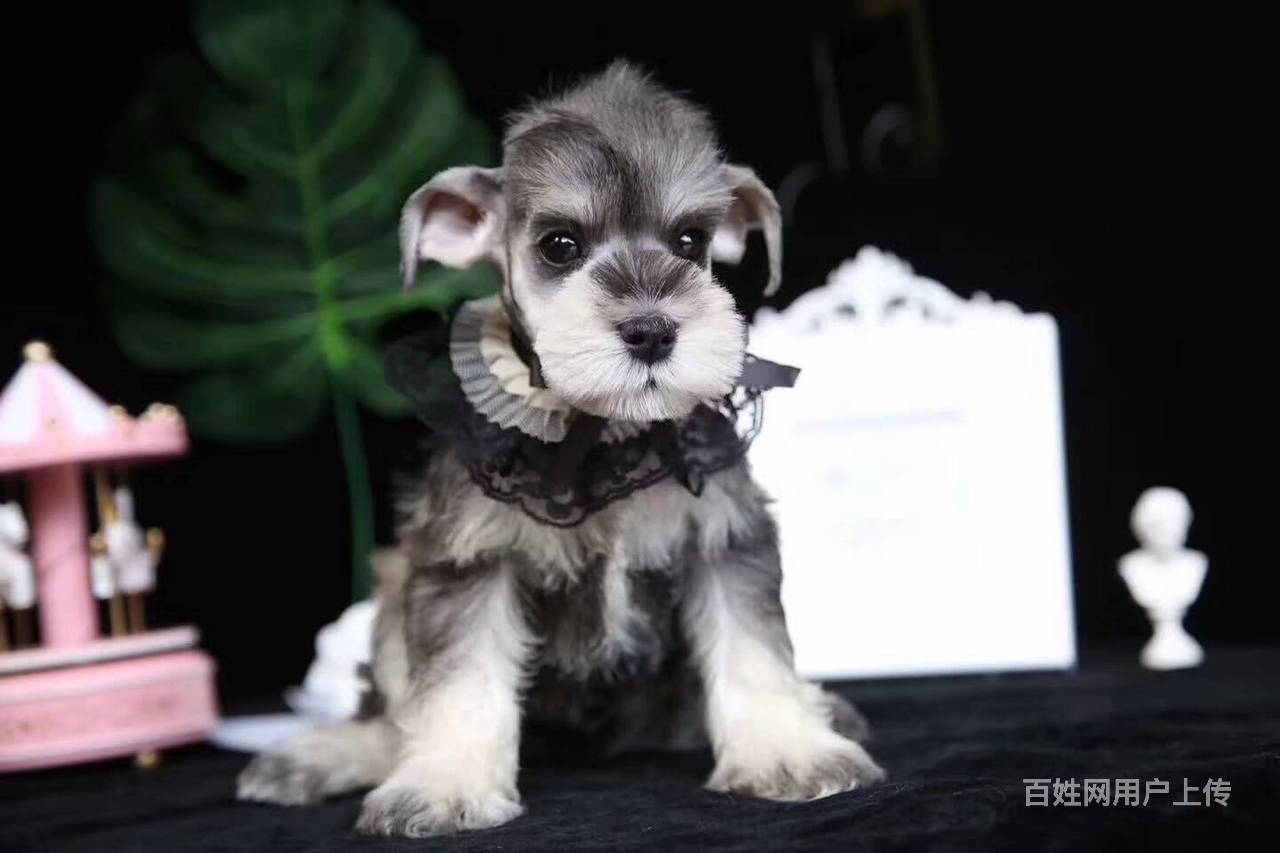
(337, 352)
(359, 491)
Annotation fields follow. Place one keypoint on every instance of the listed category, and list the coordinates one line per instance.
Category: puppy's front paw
(282, 778)
(397, 810)
(797, 771)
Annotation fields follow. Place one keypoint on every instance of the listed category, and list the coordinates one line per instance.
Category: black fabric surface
(956, 750)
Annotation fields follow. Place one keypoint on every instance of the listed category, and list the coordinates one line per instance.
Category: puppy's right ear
(455, 218)
(753, 207)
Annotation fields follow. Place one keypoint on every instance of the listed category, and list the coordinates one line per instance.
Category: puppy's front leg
(467, 644)
(771, 731)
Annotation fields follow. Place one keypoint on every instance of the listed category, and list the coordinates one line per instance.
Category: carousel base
(87, 710)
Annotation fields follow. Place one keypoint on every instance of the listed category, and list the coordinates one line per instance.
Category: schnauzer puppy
(654, 621)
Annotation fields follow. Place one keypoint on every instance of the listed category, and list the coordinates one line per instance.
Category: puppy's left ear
(455, 218)
(753, 207)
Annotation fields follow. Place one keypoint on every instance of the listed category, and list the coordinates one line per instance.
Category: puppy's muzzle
(650, 338)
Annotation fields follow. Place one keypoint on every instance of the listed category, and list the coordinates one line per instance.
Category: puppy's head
(612, 200)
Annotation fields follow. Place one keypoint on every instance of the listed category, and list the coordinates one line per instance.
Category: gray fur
(622, 143)
(751, 569)
(648, 276)
(568, 616)
(440, 600)
(327, 761)
(657, 621)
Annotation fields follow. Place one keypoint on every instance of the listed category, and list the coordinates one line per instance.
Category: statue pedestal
(1171, 647)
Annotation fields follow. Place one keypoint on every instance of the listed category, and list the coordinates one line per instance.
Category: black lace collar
(595, 462)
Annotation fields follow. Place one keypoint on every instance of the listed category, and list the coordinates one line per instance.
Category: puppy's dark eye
(559, 248)
(691, 245)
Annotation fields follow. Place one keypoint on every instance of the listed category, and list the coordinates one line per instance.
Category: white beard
(585, 362)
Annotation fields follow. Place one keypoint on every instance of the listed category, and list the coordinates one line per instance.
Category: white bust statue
(1164, 577)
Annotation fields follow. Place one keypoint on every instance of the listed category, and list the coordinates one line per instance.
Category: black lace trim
(564, 482)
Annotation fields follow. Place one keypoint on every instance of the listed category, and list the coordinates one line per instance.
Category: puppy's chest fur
(610, 621)
(603, 604)
(601, 598)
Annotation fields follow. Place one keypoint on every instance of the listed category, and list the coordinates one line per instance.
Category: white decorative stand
(332, 690)
(917, 467)
(1164, 577)
(334, 683)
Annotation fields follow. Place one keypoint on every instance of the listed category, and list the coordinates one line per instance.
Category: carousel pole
(4, 617)
(68, 612)
(115, 604)
(21, 628)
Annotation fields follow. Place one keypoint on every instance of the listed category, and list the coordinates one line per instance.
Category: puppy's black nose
(650, 338)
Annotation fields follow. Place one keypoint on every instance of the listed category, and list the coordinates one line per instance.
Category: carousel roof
(49, 417)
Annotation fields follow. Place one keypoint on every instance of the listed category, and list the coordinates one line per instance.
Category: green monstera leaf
(248, 217)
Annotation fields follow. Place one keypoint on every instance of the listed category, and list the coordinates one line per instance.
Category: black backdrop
(1085, 173)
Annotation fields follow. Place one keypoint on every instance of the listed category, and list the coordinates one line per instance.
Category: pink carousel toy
(75, 695)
